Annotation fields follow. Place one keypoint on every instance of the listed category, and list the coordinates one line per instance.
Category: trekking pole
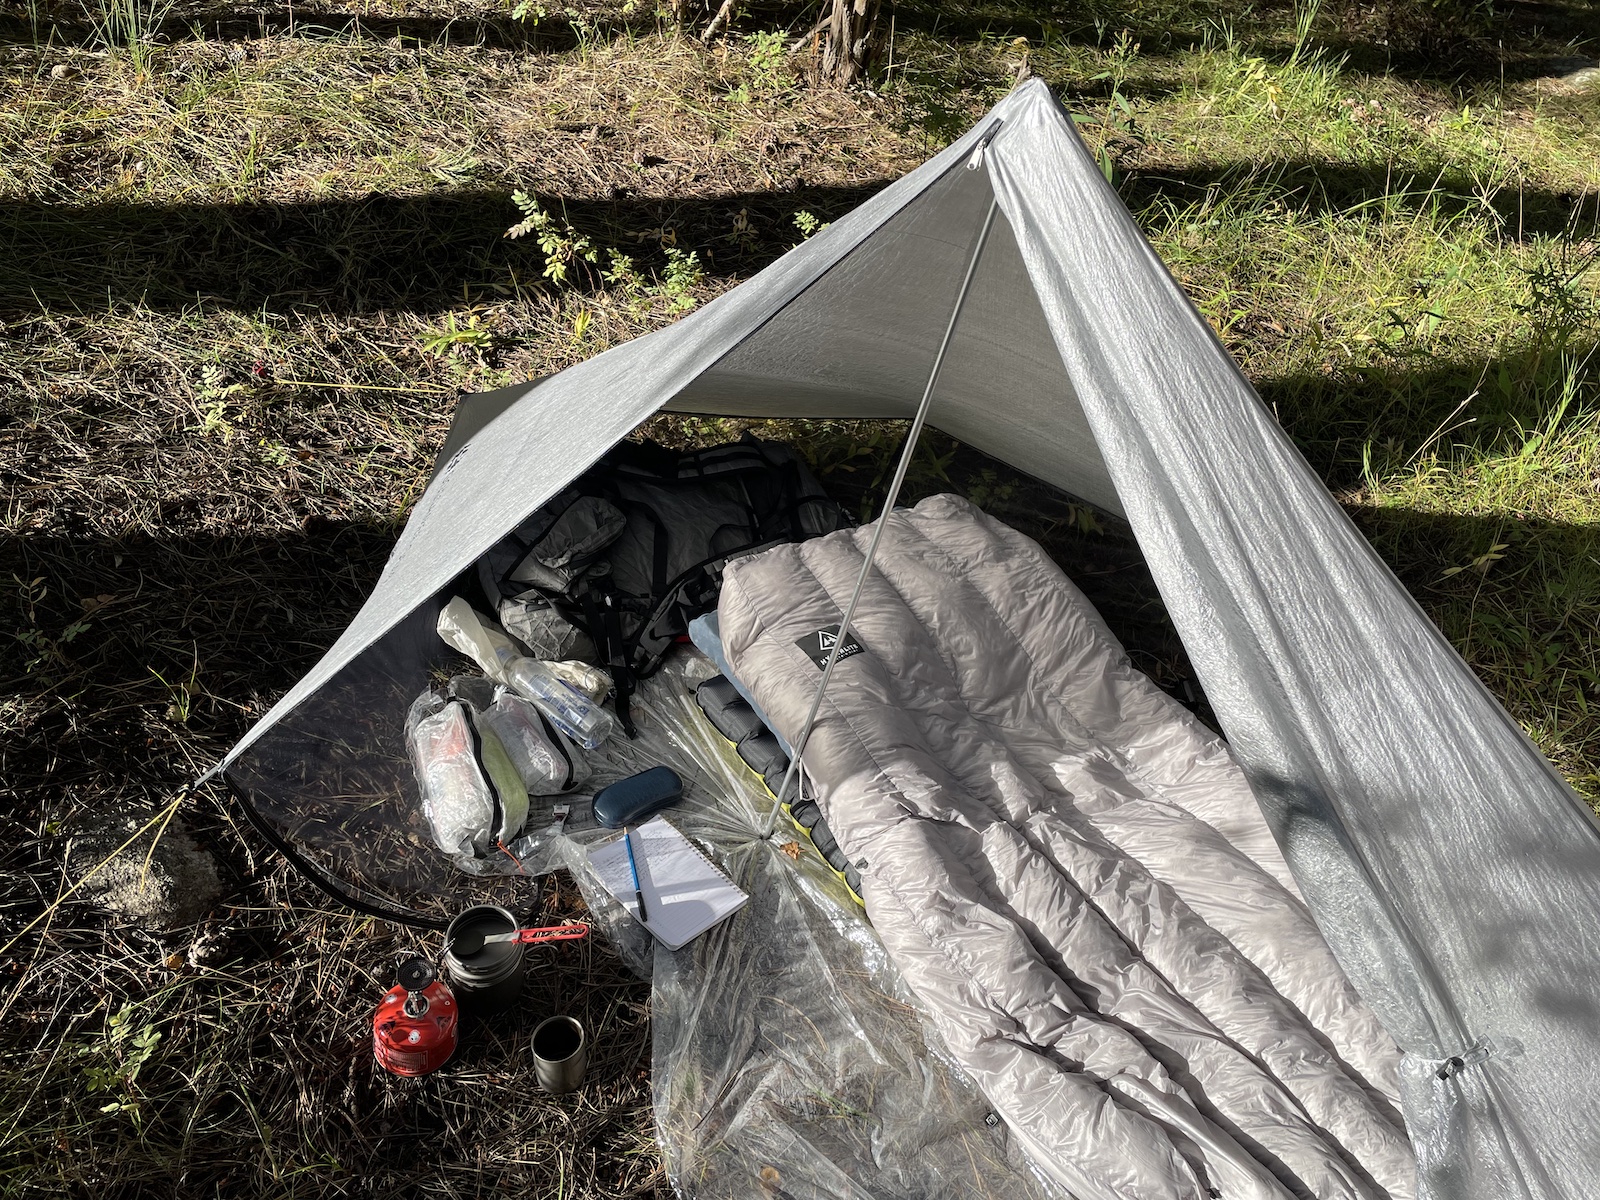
(890, 497)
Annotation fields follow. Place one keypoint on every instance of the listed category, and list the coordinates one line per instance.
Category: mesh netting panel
(334, 780)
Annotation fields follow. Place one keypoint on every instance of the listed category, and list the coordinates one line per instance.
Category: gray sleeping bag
(1070, 871)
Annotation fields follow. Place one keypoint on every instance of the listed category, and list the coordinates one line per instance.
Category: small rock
(1566, 65)
(177, 886)
(1571, 72)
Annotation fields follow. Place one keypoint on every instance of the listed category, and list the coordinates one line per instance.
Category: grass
(251, 256)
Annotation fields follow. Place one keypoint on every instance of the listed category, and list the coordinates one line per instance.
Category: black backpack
(634, 549)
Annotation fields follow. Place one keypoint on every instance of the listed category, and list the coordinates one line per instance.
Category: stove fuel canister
(414, 1029)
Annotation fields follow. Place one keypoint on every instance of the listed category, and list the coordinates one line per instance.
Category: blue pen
(633, 869)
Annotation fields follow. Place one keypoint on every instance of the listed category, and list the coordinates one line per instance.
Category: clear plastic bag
(788, 1060)
(455, 793)
(548, 765)
(465, 629)
(479, 734)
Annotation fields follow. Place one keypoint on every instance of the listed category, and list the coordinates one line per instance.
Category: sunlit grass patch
(1500, 541)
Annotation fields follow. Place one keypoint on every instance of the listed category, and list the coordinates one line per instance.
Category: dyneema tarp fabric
(1452, 869)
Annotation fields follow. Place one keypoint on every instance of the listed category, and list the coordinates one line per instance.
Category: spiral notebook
(685, 893)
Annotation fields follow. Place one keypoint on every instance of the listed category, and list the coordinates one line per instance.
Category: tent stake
(889, 499)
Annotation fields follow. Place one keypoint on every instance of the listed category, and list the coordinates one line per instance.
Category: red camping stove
(414, 1029)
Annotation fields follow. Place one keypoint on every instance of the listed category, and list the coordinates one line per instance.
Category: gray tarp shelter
(1454, 872)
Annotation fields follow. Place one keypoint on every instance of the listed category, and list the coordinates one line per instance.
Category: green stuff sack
(511, 792)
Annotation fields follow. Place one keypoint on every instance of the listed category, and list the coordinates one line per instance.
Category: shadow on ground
(360, 255)
(377, 252)
(1389, 413)
(1318, 187)
(1447, 41)
(74, 25)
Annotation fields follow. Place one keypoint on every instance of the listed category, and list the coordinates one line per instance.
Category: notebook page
(684, 894)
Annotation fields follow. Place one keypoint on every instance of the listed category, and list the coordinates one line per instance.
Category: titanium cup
(560, 1053)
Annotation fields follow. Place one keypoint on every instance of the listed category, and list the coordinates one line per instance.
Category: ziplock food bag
(546, 761)
(455, 792)
(472, 792)
(491, 771)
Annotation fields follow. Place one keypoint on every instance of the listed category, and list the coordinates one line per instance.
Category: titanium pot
(490, 978)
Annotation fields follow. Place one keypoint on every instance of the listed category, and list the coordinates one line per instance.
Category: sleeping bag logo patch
(819, 645)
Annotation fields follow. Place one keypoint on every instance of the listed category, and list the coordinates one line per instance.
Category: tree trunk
(721, 21)
(851, 42)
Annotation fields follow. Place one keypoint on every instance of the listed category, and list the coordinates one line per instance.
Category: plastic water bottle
(569, 710)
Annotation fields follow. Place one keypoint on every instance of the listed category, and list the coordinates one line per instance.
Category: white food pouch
(478, 637)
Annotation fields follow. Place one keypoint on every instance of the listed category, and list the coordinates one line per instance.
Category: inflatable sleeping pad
(731, 716)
